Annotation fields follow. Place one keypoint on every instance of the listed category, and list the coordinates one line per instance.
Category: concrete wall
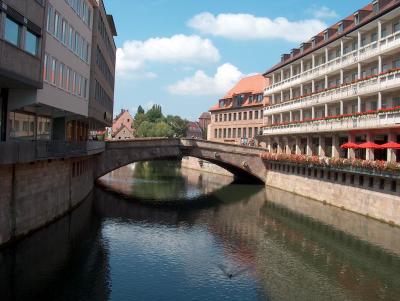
(34, 195)
(379, 205)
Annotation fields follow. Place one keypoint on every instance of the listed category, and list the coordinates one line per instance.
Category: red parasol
(349, 145)
(392, 145)
(370, 144)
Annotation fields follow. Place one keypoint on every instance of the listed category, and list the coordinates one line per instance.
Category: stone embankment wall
(204, 166)
(378, 204)
(35, 194)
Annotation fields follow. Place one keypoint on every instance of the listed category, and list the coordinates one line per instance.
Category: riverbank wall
(377, 198)
(34, 195)
(204, 166)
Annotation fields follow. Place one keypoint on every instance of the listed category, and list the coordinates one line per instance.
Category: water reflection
(281, 246)
(162, 181)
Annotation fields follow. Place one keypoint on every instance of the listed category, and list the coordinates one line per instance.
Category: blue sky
(184, 54)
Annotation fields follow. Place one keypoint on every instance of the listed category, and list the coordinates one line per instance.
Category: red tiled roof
(253, 84)
(390, 5)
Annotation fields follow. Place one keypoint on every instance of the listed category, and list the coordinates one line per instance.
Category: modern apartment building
(63, 100)
(102, 75)
(22, 26)
(342, 85)
(237, 118)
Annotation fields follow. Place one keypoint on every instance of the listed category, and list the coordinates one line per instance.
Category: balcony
(374, 84)
(373, 49)
(347, 123)
(13, 152)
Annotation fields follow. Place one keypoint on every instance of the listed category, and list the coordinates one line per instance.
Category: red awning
(349, 145)
(391, 144)
(369, 144)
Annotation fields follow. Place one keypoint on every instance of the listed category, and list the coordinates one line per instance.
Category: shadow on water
(57, 262)
(288, 247)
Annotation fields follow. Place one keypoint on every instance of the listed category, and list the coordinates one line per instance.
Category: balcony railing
(12, 152)
(373, 49)
(371, 85)
(370, 121)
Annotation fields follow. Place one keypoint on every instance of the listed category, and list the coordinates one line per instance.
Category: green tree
(139, 110)
(162, 129)
(144, 129)
(154, 114)
(178, 125)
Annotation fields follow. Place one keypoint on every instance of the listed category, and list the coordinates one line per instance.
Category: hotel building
(237, 118)
(343, 85)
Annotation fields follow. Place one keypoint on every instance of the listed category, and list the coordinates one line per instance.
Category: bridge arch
(244, 162)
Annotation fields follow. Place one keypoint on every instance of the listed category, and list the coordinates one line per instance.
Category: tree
(178, 125)
(140, 110)
(154, 114)
(144, 129)
(153, 124)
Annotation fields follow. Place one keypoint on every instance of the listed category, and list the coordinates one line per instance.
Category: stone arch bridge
(244, 162)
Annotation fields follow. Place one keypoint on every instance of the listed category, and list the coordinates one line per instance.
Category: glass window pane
(12, 32)
(31, 43)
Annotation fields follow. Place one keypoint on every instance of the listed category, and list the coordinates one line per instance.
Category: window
(256, 115)
(383, 31)
(396, 27)
(234, 116)
(356, 19)
(326, 36)
(215, 133)
(31, 43)
(340, 28)
(250, 115)
(250, 132)
(375, 7)
(244, 115)
(53, 71)
(374, 37)
(240, 116)
(239, 135)
(12, 32)
(56, 25)
(234, 133)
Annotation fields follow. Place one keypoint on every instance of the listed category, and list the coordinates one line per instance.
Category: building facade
(342, 86)
(238, 116)
(70, 87)
(102, 72)
(122, 127)
(204, 121)
(65, 71)
(22, 30)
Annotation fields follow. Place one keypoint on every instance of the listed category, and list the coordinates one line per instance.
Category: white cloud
(226, 76)
(249, 27)
(132, 57)
(323, 12)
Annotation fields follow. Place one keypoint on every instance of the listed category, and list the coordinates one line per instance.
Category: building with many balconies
(237, 118)
(343, 85)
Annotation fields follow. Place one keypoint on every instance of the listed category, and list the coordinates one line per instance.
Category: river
(154, 231)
